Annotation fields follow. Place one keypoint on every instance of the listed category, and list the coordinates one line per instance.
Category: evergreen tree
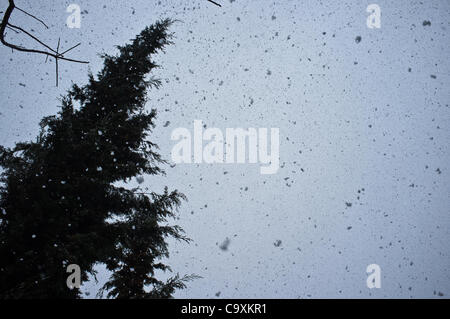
(59, 199)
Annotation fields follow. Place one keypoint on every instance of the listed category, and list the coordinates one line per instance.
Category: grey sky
(356, 126)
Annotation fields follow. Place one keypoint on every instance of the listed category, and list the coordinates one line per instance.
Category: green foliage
(59, 204)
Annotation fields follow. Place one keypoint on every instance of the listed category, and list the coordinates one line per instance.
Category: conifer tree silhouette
(59, 199)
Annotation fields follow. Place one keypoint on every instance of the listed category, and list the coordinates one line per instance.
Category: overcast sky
(364, 136)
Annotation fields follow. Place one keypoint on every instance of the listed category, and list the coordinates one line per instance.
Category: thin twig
(32, 17)
(215, 3)
(31, 36)
(12, 29)
(56, 61)
(70, 49)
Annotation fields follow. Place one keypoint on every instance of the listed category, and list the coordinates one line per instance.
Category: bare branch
(32, 16)
(51, 53)
(56, 61)
(215, 3)
(31, 36)
(12, 29)
(62, 53)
